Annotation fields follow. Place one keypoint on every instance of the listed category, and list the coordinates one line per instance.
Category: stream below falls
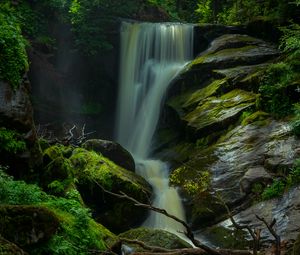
(152, 54)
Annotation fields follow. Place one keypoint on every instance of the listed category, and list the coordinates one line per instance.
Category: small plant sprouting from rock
(11, 141)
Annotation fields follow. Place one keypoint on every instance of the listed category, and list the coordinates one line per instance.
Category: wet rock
(112, 150)
(205, 33)
(236, 159)
(285, 210)
(253, 176)
(8, 248)
(27, 225)
(226, 238)
(155, 237)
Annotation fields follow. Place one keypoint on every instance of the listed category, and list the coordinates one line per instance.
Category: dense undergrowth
(78, 233)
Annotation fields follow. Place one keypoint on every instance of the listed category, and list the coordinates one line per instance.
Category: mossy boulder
(217, 113)
(95, 172)
(234, 50)
(155, 237)
(27, 225)
(112, 150)
(8, 248)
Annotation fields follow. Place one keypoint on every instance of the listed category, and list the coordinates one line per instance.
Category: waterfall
(152, 54)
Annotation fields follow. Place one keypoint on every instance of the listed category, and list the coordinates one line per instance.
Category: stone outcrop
(93, 172)
(225, 145)
(112, 150)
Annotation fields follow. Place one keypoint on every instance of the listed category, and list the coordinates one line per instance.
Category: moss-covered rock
(155, 237)
(27, 225)
(94, 171)
(8, 248)
(112, 150)
(216, 113)
(234, 50)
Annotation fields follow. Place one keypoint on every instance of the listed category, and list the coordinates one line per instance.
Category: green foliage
(204, 11)
(78, 233)
(18, 192)
(276, 89)
(11, 141)
(233, 12)
(280, 84)
(276, 189)
(13, 57)
(294, 176)
(290, 41)
(296, 120)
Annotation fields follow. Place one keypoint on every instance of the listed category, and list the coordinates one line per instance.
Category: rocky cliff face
(16, 113)
(222, 146)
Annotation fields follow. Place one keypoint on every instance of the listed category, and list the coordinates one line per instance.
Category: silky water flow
(152, 54)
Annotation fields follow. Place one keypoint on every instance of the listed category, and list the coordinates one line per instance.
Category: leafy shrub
(13, 57)
(280, 85)
(278, 187)
(11, 141)
(294, 176)
(277, 88)
(274, 190)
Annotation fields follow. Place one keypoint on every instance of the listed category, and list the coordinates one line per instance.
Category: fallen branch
(201, 248)
(254, 234)
(270, 227)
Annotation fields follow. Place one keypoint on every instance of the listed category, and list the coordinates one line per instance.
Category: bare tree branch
(270, 227)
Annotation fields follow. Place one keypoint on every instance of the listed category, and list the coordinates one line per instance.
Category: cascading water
(152, 54)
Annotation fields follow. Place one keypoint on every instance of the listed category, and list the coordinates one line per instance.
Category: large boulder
(155, 237)
(95, 176)
(27, 225)
(96, 173)
(112, 150)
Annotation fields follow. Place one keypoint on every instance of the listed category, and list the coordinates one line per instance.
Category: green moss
(154, 237)
(232, 52)
(196, 185)
(215, 111)
(210, 90)
(58, 150)
(259, 118)
(78, 232)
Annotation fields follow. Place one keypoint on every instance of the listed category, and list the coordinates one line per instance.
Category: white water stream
(152, 54)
